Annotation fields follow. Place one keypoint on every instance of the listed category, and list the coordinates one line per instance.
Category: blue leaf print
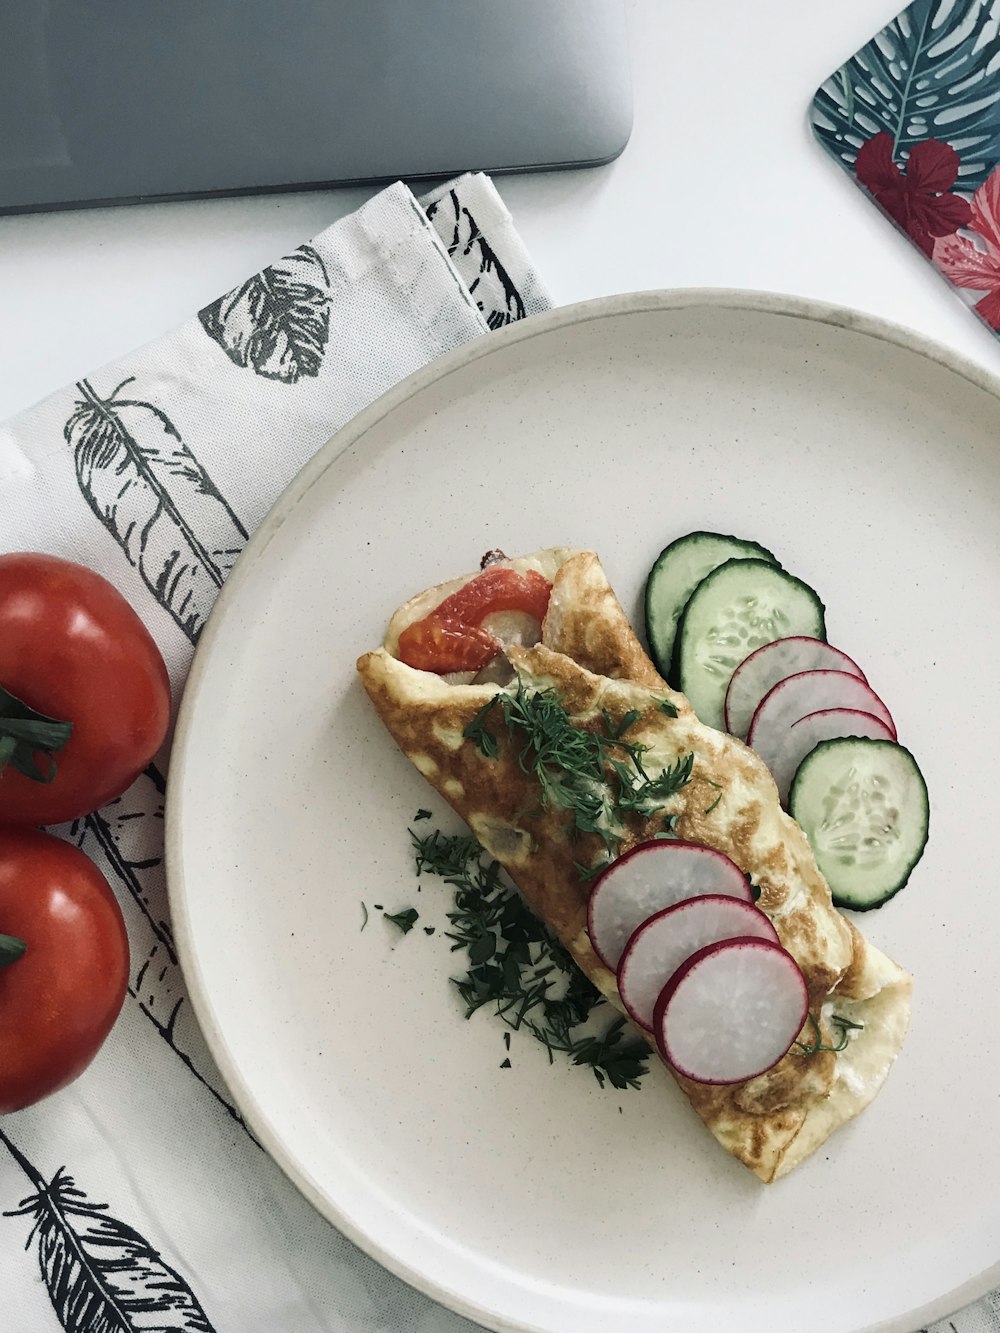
(933, 73)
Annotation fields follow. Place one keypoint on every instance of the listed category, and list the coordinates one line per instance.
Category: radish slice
(658, 947)
(783, 751)
(798, 696)
(765, 666)
(809, 692)
(648, 878)
(731, 1011)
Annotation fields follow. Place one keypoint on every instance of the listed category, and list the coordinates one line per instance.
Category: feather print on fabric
(278, 321)
(125, 840)
(100, 1274)
(157, 501)
(486, 278)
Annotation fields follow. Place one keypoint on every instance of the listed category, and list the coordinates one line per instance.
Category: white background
(721, 185)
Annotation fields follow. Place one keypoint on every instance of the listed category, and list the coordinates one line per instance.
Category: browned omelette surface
(591, 659)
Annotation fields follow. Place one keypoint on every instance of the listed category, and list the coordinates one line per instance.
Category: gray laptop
(115, 101)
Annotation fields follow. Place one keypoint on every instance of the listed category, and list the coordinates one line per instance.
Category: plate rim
(435, 372)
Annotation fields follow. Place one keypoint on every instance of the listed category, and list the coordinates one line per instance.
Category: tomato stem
(28, 737)
(11, 949)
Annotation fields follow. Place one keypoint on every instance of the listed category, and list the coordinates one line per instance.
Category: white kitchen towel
(136, 1199)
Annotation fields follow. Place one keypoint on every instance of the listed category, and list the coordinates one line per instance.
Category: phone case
(914, 118)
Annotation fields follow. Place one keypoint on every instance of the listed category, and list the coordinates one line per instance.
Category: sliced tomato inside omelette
(453, 637)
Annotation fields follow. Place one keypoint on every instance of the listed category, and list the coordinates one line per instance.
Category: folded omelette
(589, 660)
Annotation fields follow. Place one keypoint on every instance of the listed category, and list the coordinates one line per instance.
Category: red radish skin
(731, 1011)
(649, 877)
(797, 697)
(660, 945)
(791, 746)
(773, 662)
(810, 692)
(829, 724)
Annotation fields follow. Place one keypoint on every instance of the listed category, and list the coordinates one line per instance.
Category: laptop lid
(127, 100)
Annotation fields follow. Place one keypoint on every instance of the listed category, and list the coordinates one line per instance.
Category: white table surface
(721, 185)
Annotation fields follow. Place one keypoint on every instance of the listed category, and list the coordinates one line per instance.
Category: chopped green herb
(377, 906)
(667, 708)
(506, 1040)
(405, 920)
(669, 829)
(653, 791)
(595, 775)
(621, 1062)
(429, 930)
(505, 1064)
(476, 731)
(437, 854)
(718, 788)
(421, 814)
(617, 730)
(365, 921)
(515, 965)
(813, 1048)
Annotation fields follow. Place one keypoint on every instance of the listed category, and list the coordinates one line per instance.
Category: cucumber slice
(863, 806)
(739, 607)
(676, 572)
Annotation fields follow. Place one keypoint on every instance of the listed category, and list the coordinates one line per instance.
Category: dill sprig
(652, 792)
(845, 1025)
(595, 773)
(515, 965)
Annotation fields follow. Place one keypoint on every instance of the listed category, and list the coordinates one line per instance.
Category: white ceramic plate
(528, 1198)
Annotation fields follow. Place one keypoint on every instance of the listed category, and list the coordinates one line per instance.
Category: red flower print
(918, 201)
(964, 264)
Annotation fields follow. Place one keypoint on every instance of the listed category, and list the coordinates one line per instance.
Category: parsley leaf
(405, 920)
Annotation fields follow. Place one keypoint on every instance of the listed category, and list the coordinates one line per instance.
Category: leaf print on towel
(100, 1274)
(125, 840)
(486, 278)
(157, 501)
(929, 74)
(278, 321)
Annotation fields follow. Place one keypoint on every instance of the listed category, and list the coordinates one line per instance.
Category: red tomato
(450, 637)
(58, 1001)
(73, 649)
